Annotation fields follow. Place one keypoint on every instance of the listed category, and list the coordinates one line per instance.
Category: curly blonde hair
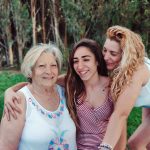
(133, 52)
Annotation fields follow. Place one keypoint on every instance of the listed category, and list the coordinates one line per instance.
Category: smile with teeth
(48, 78)
(82, 73)
(109, 64)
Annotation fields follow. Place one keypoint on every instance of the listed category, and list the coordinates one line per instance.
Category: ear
(30, 75)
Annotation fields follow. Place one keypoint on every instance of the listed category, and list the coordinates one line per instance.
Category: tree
(33, 16)
(22, 25)
(55, 22)
(6, 30)
(43, 21)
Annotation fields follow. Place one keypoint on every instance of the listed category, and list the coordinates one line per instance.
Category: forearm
(145, 113)
(11, 131)
(6, 146)
(121, 144)
(8, 138)
(18, 86)
(61, 80)
(115, 127)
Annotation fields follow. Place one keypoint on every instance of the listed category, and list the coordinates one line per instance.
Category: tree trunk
(11, 57)
(65, 37)
(56, 7)
(43, 21)
(33, 16)
(10, 43)
(20, 51)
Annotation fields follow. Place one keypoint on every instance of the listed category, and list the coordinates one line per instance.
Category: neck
(44, 90)
(92, 83)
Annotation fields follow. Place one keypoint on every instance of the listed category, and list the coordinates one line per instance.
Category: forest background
(24, 23)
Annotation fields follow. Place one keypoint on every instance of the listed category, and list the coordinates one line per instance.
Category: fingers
(11, 107)
(9, 111)
(15, 107)
(6, 112)
(17, 99)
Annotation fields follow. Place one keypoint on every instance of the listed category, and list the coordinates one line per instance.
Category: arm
(10, 107)
(121, 144)
(124, 105)
(61, 80)
(18, 86)
(145, 113)
(11, 131)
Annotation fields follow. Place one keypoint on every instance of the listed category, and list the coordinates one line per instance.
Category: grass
(134, 120)
(8, 79)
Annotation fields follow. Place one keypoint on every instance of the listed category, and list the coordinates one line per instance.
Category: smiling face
(45, 71)
(112, 54)
(84, 63)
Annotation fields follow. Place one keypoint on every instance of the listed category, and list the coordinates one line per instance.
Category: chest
(43, 131)
(95, 114)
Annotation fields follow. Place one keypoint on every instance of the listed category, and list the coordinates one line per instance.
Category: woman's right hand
(11, 99)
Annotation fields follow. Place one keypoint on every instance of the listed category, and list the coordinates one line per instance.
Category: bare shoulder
(106, 80)
(142, 74)
(22, 104)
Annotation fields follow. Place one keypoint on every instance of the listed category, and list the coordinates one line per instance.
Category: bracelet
(106, 146)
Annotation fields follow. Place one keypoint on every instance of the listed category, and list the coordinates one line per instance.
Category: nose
(106, 56)
(48, 69)
(80, 65)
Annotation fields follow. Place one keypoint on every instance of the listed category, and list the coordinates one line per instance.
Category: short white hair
(34, 53)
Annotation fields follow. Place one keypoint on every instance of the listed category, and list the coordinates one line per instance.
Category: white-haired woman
(45, 122)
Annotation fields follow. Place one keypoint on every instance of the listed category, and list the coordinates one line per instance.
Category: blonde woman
(45, 123)
(130, 86)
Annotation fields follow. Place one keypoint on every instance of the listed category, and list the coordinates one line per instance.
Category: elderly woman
(45, 122)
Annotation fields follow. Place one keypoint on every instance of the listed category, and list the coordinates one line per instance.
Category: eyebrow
(112, 51)
(82, 56)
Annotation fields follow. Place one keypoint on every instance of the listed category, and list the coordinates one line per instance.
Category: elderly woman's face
(45, 71)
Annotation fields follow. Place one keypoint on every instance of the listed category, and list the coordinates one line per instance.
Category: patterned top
(93, 123)
(47, 130)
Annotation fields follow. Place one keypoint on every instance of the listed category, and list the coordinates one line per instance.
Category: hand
(11, 99)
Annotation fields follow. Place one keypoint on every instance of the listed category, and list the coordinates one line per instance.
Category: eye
(104, 50)
(114, 54)
(41, 66)
(54, 65)
(75, 61)
(86, 59)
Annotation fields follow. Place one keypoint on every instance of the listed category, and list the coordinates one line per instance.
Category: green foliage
(91, 19)
(21, 19)
(81, 18)
(134, 120)
(7, 79)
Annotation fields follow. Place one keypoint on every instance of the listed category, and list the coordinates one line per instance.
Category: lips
(82, 73)
(109, 64)
(48, 78)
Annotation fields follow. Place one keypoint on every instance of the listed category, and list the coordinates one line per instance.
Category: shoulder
(61, 90)
(105, 80)
(142, 74)
(22, 104)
